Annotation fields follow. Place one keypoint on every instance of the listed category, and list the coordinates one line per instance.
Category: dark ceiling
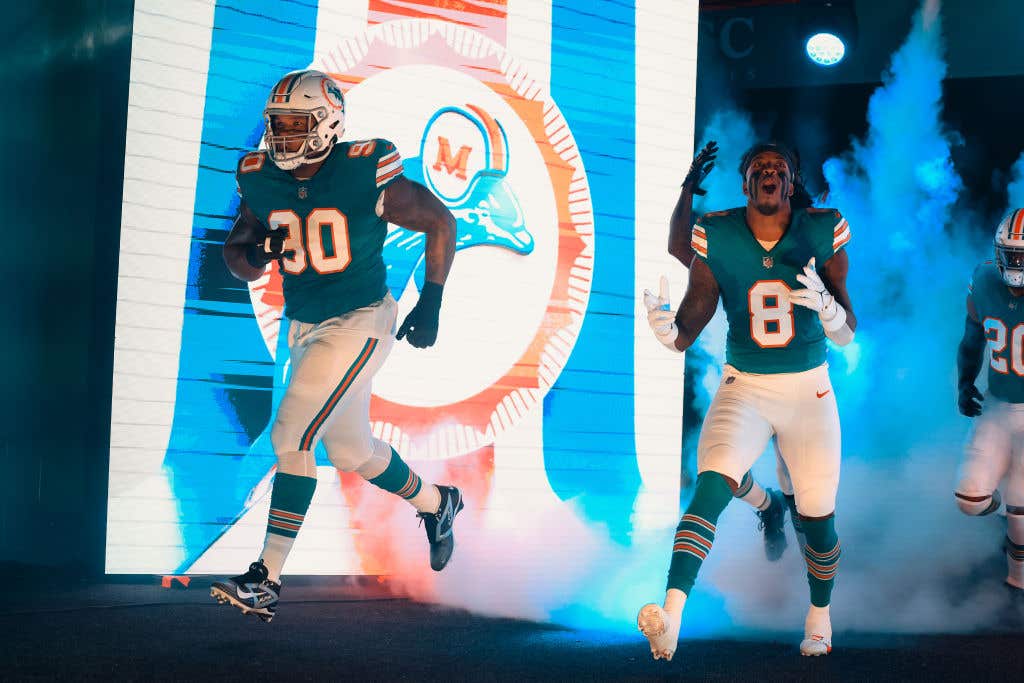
(758, 42)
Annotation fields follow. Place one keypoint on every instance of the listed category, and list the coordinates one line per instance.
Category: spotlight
(826, 49)
(828, 29)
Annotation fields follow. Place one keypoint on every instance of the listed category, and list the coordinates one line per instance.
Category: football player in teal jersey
(995, 316)
(761, 260)
(320, 207)
(770, 505)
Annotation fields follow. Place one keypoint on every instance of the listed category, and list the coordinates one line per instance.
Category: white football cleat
(817, 633)
(815, 645)
(661, 630)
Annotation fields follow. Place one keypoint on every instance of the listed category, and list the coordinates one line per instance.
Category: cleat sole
(650, 623)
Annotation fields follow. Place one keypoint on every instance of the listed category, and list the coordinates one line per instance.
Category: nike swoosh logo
(242, 593)
(822, 394)
(446, 518)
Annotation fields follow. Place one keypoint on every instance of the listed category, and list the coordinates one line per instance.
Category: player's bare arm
(698, 305)
(680, 226)
(410, 205)
(244, 247)
(969, 360)
(834, 275)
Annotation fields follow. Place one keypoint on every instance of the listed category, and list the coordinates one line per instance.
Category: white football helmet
(1010, 248)
(305, 93)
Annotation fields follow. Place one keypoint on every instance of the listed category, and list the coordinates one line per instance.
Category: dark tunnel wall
(65, 70)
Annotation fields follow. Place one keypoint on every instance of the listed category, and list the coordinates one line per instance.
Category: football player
(770, 505)
(320, 207)
(995, 315)
(761, 260)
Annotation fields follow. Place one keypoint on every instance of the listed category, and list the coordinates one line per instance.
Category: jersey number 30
(771, 314)
(324, 246)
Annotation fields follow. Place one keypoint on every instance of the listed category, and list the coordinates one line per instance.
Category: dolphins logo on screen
(463, 159)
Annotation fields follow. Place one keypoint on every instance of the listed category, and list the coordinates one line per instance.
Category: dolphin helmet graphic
(463, 159)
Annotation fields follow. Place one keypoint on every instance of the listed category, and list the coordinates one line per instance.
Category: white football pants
(332, 365)
(799, 408)
(995, 448)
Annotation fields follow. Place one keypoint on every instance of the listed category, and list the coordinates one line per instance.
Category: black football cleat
(251, 592)
(439, 527)
(773, 524)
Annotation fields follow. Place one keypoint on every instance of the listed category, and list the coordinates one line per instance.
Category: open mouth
(769, 188)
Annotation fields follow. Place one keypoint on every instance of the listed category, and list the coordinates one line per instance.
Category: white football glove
(660, 315)
(817, 298)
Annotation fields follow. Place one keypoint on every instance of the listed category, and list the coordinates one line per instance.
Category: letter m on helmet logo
(456, 165)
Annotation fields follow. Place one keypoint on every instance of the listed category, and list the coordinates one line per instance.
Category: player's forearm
(440, 249)
(693, 316)
(969, 357)
(685, 339)
(680, 227)
(970, 353)
(238, 259)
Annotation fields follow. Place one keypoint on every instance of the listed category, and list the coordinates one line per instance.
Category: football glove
(817, 298)
(701, 167)
(272, 249)
(420, 326)
(969, 400)
(660, 315)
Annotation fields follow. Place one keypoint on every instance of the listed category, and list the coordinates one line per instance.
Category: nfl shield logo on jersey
(767, 262)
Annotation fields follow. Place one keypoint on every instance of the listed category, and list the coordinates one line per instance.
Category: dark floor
(342, 632)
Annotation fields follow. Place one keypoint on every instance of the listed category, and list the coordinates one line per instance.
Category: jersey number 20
(995, 332)
(324, 246)
(771, 314)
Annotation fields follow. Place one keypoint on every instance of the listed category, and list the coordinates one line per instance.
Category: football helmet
(305, 93)
(1009, 243)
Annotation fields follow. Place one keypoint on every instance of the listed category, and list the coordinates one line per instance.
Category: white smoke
(911, 560)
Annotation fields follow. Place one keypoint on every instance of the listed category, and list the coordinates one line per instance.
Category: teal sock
(398, 478)
(696, 530)
(289, 503)
(822, 555)
(746, 484)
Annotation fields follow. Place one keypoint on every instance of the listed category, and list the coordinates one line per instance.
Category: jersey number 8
(771, 314)
(324, 246)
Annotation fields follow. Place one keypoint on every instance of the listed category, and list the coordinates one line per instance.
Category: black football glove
(969, 400)
(272, 249)
(420, 326)
(701, 166)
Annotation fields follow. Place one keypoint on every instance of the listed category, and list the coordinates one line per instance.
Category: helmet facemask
(314, 145)
(1010, 261)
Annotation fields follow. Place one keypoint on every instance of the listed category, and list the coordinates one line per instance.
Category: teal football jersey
(332, 224)
(767, 334)
(1002, 316)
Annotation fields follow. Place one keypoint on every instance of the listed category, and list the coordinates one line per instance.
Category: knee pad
(347, 455)
(977, 506)
(377, 463)
(817, 502)
(284, 438)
